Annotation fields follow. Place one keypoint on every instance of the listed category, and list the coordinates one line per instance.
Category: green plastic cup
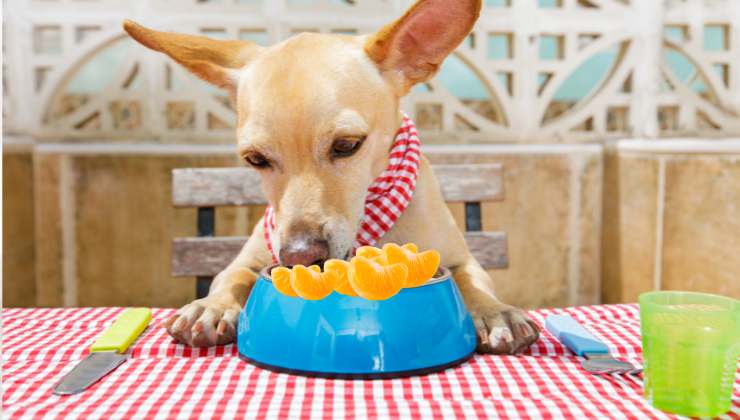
(690, 346)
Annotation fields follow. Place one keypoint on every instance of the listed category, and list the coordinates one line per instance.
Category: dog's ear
(411, 49)
(214, 61)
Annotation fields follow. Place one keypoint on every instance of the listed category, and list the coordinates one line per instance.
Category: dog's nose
(304, 250)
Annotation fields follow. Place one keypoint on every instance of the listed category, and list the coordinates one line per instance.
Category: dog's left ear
(411, 49)
(215, 61)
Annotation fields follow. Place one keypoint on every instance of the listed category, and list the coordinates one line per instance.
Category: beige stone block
(19, 281)
(701, 234)
(125, 222)
(536, 215)
(629, 226)
(48, 230)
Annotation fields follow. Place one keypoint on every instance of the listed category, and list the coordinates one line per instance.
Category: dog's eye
(257, 160)
(345, 147)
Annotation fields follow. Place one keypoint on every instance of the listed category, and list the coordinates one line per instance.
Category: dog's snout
(305, 250)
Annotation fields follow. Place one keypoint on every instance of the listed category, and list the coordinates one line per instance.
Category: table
(168, 380)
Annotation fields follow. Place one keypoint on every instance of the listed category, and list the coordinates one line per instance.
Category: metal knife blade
(107, 353)
(88, 371)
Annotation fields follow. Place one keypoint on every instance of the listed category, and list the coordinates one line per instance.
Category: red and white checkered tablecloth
(166, 380)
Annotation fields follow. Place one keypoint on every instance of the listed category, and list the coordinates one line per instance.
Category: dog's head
(316, 114)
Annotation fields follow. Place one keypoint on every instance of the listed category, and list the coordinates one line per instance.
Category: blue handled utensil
(577, 339)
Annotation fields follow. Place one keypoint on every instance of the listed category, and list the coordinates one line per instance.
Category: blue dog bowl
(419, 330)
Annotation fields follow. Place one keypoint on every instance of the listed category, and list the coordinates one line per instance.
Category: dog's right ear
(214, 61)
(411, 49)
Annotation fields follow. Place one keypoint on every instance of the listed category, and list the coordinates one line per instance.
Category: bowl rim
(443, 274)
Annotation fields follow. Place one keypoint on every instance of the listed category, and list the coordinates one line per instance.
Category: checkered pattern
(388, 195)
(166, 380)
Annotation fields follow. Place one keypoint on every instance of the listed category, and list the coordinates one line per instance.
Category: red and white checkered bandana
(387, 197)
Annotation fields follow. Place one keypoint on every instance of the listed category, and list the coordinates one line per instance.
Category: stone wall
(104, 222)
(671, 219)
(552, 214)
(91, 225)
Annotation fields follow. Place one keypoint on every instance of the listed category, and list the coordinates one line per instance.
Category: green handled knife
(107, 353)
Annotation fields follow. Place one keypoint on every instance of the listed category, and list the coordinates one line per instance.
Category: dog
(316, 116)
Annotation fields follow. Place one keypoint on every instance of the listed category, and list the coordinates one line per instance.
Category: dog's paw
(504, 330)
(205, 322)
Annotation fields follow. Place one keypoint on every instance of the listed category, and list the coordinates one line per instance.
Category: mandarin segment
(380, 259)
(421, 266)
(372, 253)
(281, 281)
(425, 264)
(339, 269)
(411, 247)
(374, 274)
(368, 251)
(310, 283)
(374, 281)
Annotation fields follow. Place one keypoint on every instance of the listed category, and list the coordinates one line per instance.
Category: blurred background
(617, 122)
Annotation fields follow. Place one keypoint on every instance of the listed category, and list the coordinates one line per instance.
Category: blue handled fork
(577, 339)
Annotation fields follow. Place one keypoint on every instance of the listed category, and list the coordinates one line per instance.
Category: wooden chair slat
(471, 183)
(208, 256)
(204, 256)
(489, 248)
(208, 187)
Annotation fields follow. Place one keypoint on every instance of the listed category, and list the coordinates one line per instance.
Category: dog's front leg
(502, 329)
(212, 320)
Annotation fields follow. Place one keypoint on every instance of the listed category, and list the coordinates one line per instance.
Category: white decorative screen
(545, 71)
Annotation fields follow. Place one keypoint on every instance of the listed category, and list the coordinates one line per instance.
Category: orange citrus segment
(425, 265)
(380, 259)
(421, 266)
(281, 281)
(372, 253)
(339, 269)
(310, 284)
(374, 274)
(374, 281)
(368, 251)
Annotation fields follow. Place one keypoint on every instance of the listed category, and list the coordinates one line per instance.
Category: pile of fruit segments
(374, 273)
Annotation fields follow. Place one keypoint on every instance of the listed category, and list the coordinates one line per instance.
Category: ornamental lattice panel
(531, 70)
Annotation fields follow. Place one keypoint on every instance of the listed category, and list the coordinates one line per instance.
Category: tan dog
(316, 116)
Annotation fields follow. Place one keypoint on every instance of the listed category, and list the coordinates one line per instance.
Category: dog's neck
(388, 195)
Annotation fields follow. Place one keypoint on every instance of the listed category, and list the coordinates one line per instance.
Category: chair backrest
(206, 188)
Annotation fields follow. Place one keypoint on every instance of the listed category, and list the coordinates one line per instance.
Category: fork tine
(603, 371)
(616, 371)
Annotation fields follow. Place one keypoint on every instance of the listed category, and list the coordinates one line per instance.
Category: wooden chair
(206, 255)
